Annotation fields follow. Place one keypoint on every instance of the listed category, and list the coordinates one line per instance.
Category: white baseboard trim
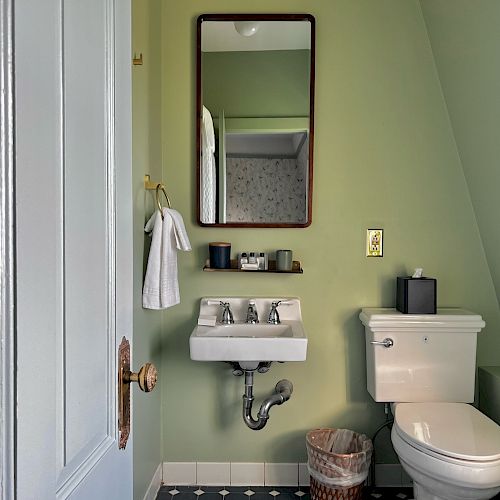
(235, 474)
(261, 474)
(155, 484)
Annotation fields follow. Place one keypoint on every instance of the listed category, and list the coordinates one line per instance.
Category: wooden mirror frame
(255, 17)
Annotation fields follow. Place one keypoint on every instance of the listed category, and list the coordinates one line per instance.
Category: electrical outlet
(374, 242)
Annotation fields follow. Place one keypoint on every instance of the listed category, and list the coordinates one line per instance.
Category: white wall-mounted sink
(243, 342)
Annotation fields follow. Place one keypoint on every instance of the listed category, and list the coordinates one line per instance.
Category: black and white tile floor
(267, 493)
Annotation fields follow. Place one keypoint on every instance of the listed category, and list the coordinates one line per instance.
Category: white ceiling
(280, 145)
(221, 36)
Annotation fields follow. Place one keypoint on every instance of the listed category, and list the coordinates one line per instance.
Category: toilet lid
(456, 430)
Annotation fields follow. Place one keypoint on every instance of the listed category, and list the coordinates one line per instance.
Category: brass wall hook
(148, 184)
(137, 61)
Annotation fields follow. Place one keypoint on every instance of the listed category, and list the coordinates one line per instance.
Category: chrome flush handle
(386, 342)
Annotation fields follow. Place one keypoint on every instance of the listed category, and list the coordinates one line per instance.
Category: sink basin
(249, 331)
(245, 342)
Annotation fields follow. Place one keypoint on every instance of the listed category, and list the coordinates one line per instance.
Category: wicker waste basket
(338, 462)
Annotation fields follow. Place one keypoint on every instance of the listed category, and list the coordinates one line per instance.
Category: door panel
(87, 221)
(74, 245)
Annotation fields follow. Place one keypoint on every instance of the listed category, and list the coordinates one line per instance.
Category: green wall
(385, 156)
(271, 83)
(465, 40)
(146, 158)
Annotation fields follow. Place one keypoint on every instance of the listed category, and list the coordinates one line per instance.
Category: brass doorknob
(146, 377)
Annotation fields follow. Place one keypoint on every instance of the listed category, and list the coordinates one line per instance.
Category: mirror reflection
(255, 133)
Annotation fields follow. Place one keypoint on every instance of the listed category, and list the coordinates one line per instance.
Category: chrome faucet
(227, 315)
(274, 317)
(252, 315)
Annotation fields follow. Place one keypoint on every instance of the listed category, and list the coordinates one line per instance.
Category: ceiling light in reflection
(246, 28)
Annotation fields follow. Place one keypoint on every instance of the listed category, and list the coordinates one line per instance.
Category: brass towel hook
(158, 202)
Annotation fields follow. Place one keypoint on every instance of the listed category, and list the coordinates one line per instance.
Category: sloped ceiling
(465, 40)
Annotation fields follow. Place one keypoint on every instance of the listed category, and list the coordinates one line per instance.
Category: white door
(73, 245)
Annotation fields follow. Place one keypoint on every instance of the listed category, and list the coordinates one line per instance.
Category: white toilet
(425, 365)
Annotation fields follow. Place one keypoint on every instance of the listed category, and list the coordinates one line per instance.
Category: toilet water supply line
(388, 422)
(283, 391)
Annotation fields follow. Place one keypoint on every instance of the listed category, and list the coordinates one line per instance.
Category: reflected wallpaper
(252, 198)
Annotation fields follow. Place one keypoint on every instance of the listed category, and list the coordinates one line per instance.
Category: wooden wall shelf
(296, 268)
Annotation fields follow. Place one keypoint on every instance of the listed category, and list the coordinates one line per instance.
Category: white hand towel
(161, 284)
(181, 236)
(151, 288)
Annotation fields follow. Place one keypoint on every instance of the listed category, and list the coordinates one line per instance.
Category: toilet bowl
(450, 450)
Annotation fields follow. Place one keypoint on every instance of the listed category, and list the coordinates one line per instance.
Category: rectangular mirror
(255, 106)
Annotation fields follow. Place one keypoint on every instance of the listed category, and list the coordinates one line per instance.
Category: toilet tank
(433, 356)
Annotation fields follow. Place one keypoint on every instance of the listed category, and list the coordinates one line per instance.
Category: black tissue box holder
(416, 295)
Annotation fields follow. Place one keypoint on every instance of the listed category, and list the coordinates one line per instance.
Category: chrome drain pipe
(283, 391)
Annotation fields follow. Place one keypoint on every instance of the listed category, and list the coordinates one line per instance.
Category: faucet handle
(227, 315)
(274, 317)
(283, 302)
(215, 302)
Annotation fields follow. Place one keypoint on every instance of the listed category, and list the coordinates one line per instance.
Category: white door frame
(7, 254)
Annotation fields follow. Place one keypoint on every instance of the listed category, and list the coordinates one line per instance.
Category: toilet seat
(428, 467)
(457, 432)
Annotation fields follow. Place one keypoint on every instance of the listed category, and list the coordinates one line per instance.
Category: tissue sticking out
(419, 271)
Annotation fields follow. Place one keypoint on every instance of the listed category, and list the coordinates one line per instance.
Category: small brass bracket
(149, 185)
(137, 61)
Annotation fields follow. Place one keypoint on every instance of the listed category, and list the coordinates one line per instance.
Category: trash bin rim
(321, 450)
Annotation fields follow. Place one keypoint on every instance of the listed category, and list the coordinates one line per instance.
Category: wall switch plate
(374, 242)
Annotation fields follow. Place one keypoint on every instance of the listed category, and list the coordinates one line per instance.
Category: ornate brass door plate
(123, 393)
(146, 379)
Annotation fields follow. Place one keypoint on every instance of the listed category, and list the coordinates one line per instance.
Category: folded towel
(208, 170)
(161, 284)
(151, 289)
(208, 134)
